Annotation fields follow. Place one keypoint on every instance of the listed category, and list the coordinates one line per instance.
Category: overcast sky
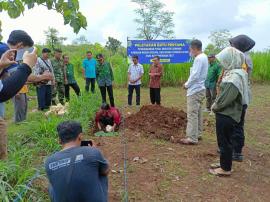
(114, 18)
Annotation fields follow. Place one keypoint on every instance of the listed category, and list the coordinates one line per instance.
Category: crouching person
(76, 173)
(108, 118)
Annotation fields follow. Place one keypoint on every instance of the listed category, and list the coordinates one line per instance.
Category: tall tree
(80, 40)
(220, 39)
(153, 20)
(113, 44)
(53, 40)
(68, 8)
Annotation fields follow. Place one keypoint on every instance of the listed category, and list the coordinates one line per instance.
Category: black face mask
(242, 43)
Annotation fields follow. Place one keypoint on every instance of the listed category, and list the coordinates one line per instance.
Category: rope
(124, 143)
(26, 187)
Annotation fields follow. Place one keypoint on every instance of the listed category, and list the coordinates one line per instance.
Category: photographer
(76, 173)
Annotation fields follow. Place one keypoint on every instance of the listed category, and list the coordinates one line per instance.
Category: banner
(169, 51)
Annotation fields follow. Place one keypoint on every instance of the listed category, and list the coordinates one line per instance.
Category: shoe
(238, 157)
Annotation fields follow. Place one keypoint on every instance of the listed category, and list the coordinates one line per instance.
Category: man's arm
(194, 74)
(103, 164)
(5, 61)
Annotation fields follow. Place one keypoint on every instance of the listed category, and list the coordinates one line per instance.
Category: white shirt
(198, 74)
(135, 72)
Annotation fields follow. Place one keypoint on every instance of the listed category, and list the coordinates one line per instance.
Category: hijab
(232, 60)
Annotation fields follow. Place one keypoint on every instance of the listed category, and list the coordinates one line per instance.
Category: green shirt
(214, 72)
(70, 74)
(58, 70)
(104, 74)
(229, 102)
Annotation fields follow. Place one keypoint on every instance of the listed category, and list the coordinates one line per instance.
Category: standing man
(214, 72)
(155, 73)
(44, 89)
(195, 87)
(60, 77)
(71, 82)
(135, 73)
(89, 71)
(105, 79)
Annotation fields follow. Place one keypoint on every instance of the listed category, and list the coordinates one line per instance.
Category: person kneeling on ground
(108, 118)
(77, 173)
(228, 106)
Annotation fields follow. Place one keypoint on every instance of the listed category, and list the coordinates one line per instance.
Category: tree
(153, 20)
(220, 39)
(113, 45)
(53, 40)
(80, 40)
(68, 8)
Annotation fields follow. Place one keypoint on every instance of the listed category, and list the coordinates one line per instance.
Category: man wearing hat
(44, 89)
(214, 72)
(60, 77)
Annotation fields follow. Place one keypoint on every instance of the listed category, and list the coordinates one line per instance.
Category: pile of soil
(158, 122)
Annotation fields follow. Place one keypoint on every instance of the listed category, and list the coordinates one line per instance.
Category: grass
(31, 141)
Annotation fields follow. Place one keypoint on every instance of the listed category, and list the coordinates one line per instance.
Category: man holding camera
(76, 173)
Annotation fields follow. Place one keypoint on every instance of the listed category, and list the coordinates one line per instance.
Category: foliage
(68, 8)
(1, 31)
(261, 61)
(219, 40)
(153, 20)
(31, 142)
(80, 40)
(53, 40)
(113, 45)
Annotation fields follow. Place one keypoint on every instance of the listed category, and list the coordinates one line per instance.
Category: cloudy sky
(194, 18)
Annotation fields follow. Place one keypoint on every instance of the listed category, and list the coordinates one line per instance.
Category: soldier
(60, 77)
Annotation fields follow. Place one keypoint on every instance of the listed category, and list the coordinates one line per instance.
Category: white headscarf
(232, 60)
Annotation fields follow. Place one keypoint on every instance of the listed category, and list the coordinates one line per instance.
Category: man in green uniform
(60, 77)
(214, 72)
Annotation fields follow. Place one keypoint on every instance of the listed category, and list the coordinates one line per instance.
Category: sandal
(215, 165)
(187, 141)
(219, 172)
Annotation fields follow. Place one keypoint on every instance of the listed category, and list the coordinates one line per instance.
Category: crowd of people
(222, 79)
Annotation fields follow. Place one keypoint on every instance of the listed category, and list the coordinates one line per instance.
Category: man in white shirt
(195, 94)
(135, 73)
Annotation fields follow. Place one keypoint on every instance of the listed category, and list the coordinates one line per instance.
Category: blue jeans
(44, 94)
(2, 109)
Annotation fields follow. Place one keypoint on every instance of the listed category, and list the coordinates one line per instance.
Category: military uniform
(59, 88)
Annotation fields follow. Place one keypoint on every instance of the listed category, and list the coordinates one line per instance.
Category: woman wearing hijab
(228, 106)
(244, 44)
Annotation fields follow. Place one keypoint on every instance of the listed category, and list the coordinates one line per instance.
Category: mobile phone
(86, 143)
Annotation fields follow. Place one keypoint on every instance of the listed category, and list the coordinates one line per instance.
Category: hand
(184, 87)
(30, 58)
(5, 59)
(46, 76)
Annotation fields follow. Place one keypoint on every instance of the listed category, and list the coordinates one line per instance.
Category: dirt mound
(159, 122)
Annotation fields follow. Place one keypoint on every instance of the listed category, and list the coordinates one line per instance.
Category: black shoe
(237, 157)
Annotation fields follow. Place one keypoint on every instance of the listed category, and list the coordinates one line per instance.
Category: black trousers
(155, 95)
(109, 89)
(225, 128)
(89, 81)
(75, 87)
(44, 95)
(138, 94)
(238, 138)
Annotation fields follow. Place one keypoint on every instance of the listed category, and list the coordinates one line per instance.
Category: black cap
(20, 36)
(242, 42)
(46, 50)
(99, 56)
